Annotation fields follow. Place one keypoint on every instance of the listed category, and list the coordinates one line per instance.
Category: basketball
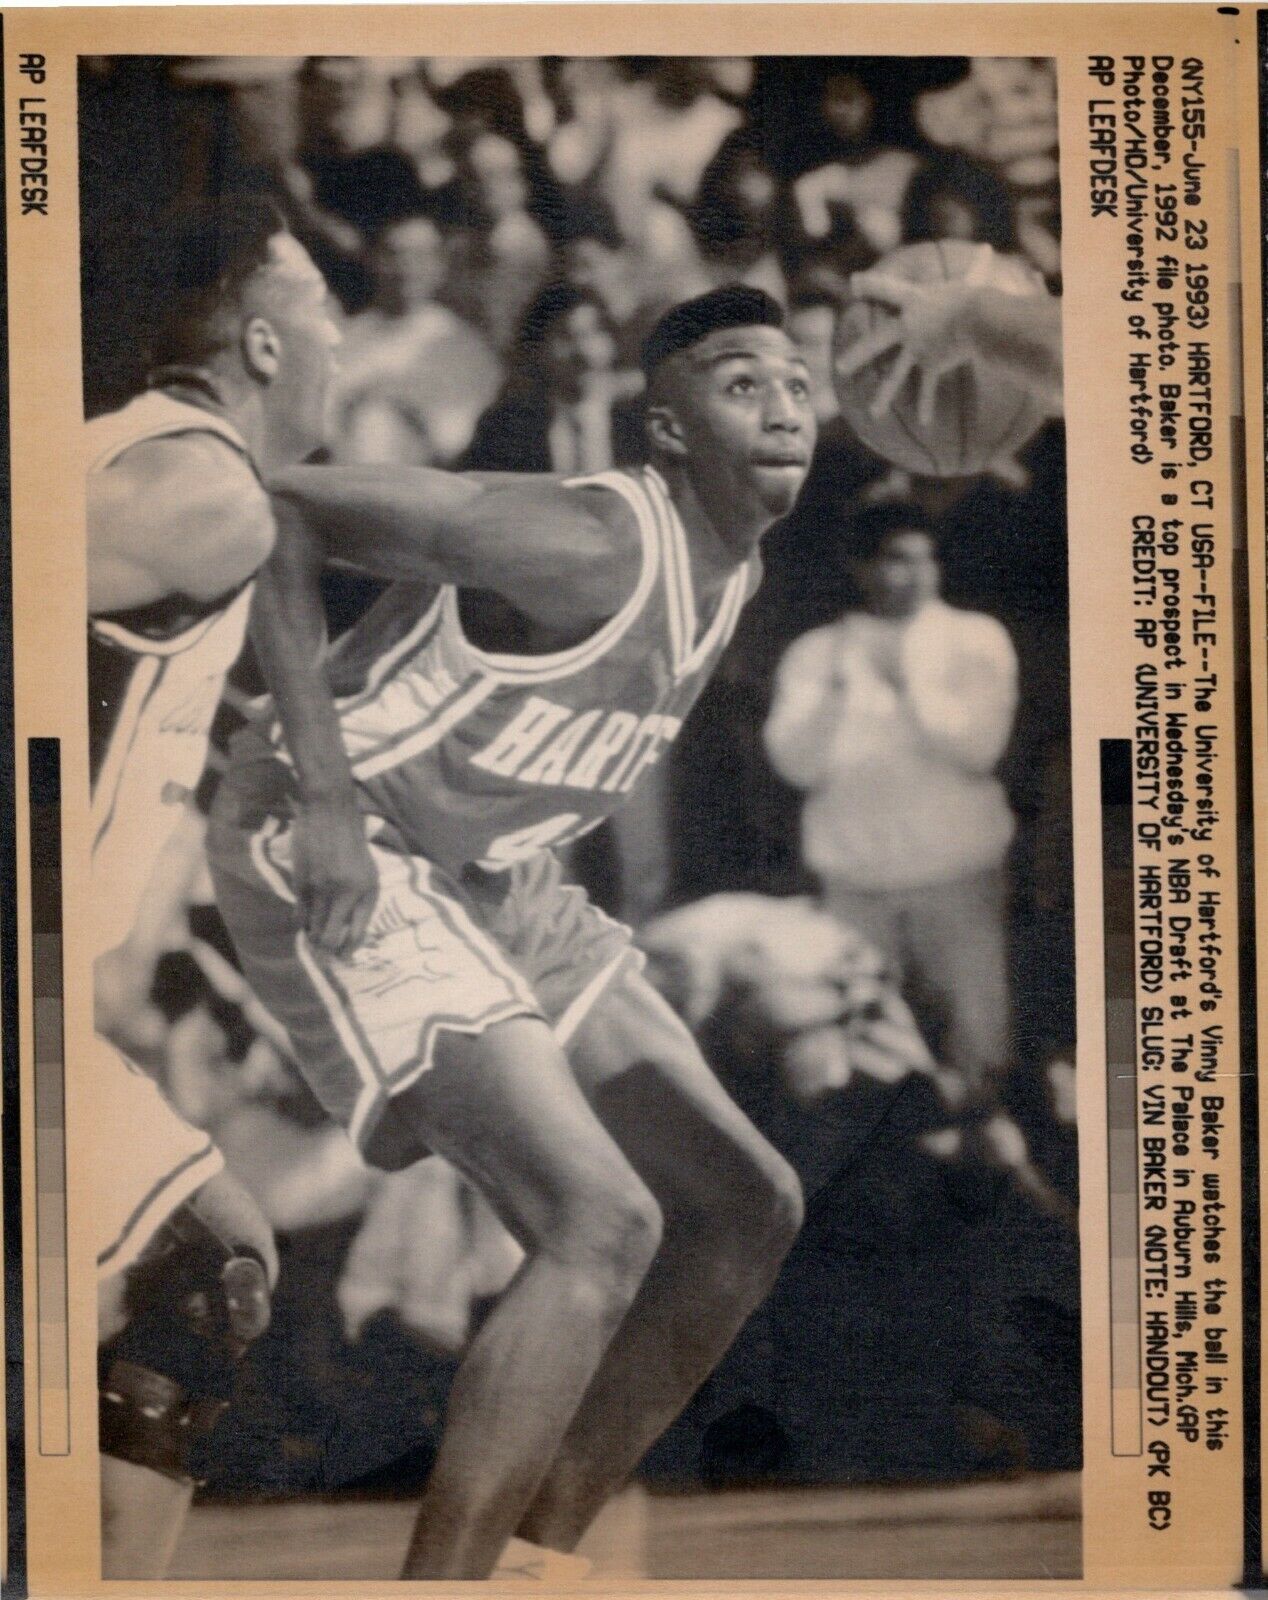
(980, 415)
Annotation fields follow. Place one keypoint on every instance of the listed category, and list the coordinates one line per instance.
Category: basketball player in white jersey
(538, 654)
(178, 526)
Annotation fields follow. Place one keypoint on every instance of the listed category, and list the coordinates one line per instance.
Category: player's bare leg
(732, 1208)
(505, 1109)
(142, 1514)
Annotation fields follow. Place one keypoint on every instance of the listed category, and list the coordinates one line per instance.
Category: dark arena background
(499, 235)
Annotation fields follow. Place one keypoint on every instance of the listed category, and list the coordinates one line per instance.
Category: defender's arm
(540, 546)
(335, 880)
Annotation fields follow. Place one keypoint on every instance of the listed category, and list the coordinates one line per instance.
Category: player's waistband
(260, 792)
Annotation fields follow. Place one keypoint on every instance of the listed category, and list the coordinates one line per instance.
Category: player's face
(748, 420)
(904, 575)
(297, 306)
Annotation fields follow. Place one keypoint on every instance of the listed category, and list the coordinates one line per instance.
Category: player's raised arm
(944, 325)
(541, 546)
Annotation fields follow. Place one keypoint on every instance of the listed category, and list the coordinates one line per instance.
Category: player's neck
(718, 539)
(210, 392)
(251, 417)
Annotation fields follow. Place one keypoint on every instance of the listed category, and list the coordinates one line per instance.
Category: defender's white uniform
(156, 676)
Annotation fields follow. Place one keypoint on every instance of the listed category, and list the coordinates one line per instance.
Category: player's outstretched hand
(335, 878)
(930, 331)
(940, 325)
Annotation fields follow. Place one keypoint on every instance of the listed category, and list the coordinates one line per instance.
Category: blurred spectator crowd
(499, 235)
(442, 197)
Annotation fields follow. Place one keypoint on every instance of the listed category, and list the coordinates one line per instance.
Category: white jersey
(156, 675)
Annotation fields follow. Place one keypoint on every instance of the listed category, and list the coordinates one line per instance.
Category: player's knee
(611, 1227)
(623, 1231)
(784, 1204)
(772, 1209)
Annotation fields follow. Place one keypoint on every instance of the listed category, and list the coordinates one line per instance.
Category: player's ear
(261, 348)
(664, 430)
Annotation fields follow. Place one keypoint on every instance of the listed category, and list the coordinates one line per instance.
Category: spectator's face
(903, 576)
(731, 75)
(497, 175)
(848, 107)
(578, 347)
(584, 84)
(754, 189)
(419, 126)
(591, 265)
(287, 307)
(739, 414)
(952, 217)
(811, 328)
(341, 103)
(409, 264)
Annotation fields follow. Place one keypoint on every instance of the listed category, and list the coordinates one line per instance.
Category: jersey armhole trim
(114, 633)
(194, 421)
(396, 657)
(690, 648)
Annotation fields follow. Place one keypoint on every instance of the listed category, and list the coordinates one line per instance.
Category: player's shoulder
(186, 507)
(609, 498)
(619, 538)
(199, 463)
(565, 546)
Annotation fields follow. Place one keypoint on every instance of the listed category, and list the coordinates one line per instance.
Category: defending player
(178, 524)
(538, 655)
